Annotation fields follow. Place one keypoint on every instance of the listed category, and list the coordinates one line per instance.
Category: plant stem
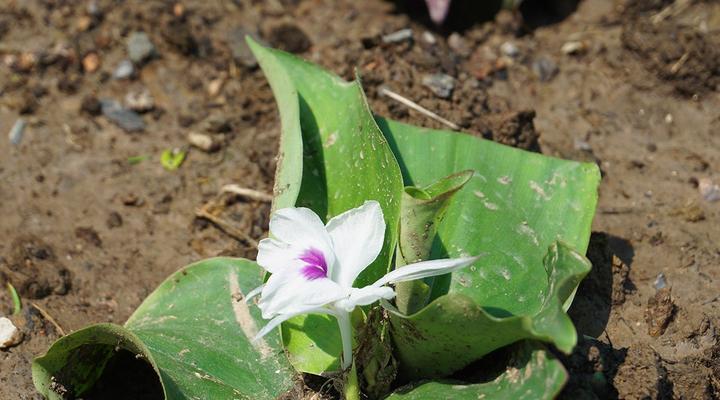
(352, 389)
(343, 319)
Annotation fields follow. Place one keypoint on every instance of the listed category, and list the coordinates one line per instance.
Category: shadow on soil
(606, 285)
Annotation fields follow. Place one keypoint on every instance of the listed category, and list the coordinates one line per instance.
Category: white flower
(313, 266)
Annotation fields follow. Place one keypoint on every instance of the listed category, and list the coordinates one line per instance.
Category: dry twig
(672, 10)
(206, 211)
(417, 107)
(245, 192)
(49, 318)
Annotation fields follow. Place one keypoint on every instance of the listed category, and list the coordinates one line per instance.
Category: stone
(127, 119)
(139, 100)
(16, 132)
(10, 335)
(398, 36)
(91, 62)
(574, 48)
(544, 68)
(509, 49)
(139, 47)
(440, 84)
(709, 190)
(124, 70)
(203, 142)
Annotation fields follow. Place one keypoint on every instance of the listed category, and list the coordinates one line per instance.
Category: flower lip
(316, 265)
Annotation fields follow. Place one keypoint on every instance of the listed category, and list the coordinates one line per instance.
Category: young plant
(367, 211)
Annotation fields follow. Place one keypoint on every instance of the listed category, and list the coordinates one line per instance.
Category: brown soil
(86, 235)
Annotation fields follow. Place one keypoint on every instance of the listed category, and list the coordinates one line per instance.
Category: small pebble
(16, 132)
(398, 36)
(140, 101)
(440, 84)
(124, 70)
(544, 68)
(178, 10)
(429, 38)
(239, 48)
(458, 43)
(215, 86)
(510, 49)
(91, 62)
(10, 335)
(574, 48)
(203, 142)
(659, 312)
(128, 120)
(582, 144)
(660, 281)
(93, 9)
(25, 62)
(709, 190)
(139, 47)
(114, 220)
(84, 23)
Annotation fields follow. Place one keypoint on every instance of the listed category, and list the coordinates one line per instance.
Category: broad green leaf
(453, 331)
(195, 330)
(345, 161)
(532, 374)
(516, 205)
(422, 211)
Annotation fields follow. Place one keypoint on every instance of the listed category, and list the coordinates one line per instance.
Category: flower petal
(284, 317)
(254, 293)
(294, 231)
(295, 225)
(288, 292)
(425, 269)
(364, 296)
(275, 256)
(357, 237)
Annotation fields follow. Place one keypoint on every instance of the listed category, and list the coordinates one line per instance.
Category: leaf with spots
(195, 331)
(516, 206)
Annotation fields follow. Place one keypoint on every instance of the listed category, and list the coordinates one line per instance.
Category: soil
(91, 221)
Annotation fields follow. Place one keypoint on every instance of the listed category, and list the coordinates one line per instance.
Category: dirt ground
(633, 85)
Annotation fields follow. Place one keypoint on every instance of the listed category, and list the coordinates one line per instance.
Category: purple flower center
(316, 266)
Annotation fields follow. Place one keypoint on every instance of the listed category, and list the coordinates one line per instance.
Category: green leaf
(422, 211)
(172, 159)
(516, 205)
(345, 161)
(17, 303)
(133, 160)
(533, 374)
(453, 331)
(196, 332)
